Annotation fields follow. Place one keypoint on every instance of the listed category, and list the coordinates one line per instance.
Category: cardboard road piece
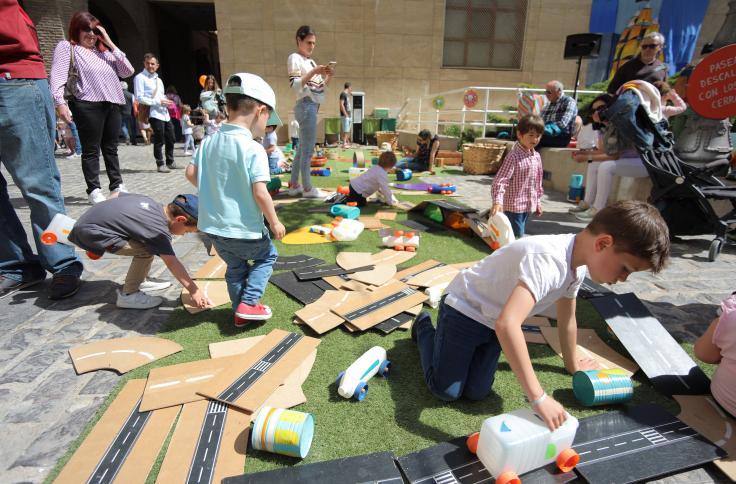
(371, 468)
(319, 315)
(666, 364)
(451, 462)
(703, 414)
(390, 256)
(405, 274)
(434, 277)
(296, 262)
(591, 346)
(318, 272)
(258, 373)
(213, 269)
(395, 322)
(532, 329)
(372, 223)
(182, 383)
(215, 290)
(289, 394)
(589, 289)
(305, 292)
(351, 260)
(121, 354)
(380, 304)
(124, 444)
(384, 215)
(638, 444)
(379, 275)
(208, 444)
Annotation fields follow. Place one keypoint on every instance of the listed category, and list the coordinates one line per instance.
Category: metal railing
(414, 116)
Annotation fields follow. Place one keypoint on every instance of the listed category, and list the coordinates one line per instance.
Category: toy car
(514, 443)
(400, 240)
(353, 382)
(442, 188)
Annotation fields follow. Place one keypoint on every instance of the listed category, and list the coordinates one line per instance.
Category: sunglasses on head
(649, 46)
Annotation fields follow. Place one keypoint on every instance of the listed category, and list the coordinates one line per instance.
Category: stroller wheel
(715, 249)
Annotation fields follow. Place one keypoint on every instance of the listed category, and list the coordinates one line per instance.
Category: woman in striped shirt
(309, 81)
(96, 104)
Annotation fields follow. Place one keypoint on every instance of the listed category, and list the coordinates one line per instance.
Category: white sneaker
(587, 215)
(187, 153)
(315, 193)
(580, 207)
(96, 196)
(120, 189)
(137, 300)
(149, 285)
(295, 192)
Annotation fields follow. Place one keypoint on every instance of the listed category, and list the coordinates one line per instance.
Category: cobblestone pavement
(44, 405)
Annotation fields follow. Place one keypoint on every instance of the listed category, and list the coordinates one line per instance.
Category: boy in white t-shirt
(275, 155)
(486, 304)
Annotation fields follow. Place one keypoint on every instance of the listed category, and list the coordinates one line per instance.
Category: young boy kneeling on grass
(485, 305)
(138, 226)
(231, 171)
(372, 181)
(517, 187)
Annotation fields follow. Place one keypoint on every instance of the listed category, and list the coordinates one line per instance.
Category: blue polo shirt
(228, 163)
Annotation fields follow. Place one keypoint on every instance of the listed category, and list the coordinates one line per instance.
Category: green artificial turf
(399, 414)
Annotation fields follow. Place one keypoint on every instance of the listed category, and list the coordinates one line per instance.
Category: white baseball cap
(253, 86)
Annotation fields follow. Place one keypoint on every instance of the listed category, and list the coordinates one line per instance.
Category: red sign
(470, 98)
(711, 89)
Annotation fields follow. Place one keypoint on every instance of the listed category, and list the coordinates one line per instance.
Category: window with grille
(485, 34)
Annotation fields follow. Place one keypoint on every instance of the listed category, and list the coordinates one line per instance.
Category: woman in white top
(211, 96)
(309, 81)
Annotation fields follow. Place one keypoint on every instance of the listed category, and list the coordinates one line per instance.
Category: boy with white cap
(231, 171)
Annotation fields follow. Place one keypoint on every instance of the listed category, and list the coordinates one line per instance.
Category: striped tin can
(283, 431)
(602, 387)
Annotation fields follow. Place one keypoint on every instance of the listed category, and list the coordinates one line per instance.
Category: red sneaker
(247, 312)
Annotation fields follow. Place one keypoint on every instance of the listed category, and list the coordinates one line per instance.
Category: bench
(559, 167)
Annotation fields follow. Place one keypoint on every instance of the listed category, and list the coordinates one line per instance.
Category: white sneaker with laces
(120, 189)
(580, 207)
(137, 300)
(96, 196)
(587, 215)
(149, 285)
(295, 192)
(315, 193)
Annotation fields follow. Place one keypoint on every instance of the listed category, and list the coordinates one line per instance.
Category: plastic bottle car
(346, 230)
(400, 240)
(321, 172)
(58, 232)
(353, 382)
(403, 174)
(442, 188)
(514, 443)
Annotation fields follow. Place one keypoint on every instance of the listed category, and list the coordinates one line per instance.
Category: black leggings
(98, 124)
(356, 197)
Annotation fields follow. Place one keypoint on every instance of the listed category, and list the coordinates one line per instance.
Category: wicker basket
(482, 159)
(389, 137)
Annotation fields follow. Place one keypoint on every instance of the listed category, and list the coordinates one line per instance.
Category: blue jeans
(27, 127)
(75, 134)
(409, 163)
(188, 142)
(518, 222)
(628, 117)
(460, 357)
(305, 113)
(246, 281)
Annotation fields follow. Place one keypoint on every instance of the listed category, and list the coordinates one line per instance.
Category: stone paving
(44, 405)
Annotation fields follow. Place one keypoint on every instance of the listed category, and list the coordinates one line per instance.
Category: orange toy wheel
(472, 442)
(352, 204)
(398, 233)
(93, 256)
(411, 249)
(49, 238)
(398, 247)
(567, 460)
(409, 235)
(508, 477)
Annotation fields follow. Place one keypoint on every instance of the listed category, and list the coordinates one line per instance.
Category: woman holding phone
(94, 100)
(309, 81)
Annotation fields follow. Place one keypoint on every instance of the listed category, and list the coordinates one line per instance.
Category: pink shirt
(99, 73)
(518, 184)
(372, 181)
(678, 105)
(723, 385)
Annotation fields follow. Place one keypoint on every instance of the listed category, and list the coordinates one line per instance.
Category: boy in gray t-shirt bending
(138, 226)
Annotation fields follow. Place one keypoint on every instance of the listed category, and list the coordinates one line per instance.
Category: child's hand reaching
(551, 412)
(583, 364)
(278, 230)
(495, 208)
(200, 299)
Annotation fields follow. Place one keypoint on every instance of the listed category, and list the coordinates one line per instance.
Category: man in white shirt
(149, 90)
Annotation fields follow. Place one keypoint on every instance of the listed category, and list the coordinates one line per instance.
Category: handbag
(71, 88)
(144, 110)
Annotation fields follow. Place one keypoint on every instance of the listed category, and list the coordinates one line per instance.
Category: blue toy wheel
(361, 391)
(383, 370)
(339, 378)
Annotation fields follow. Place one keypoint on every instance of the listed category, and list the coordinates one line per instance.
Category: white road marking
(124, 351)
(204, 458)
(115, 456)
(210, 437)
(103, 474)
(163, 385)
(620, 443)
(198, 378)
(586, 452)
(91, 355)
(637, 440)
(136, 420)
(200, 473)
(602, 448)
(126, 438)
(644, 335)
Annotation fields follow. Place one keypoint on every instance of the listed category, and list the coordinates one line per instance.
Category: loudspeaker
(582, 45)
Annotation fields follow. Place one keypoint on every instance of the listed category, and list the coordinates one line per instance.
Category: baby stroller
(682, 192)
